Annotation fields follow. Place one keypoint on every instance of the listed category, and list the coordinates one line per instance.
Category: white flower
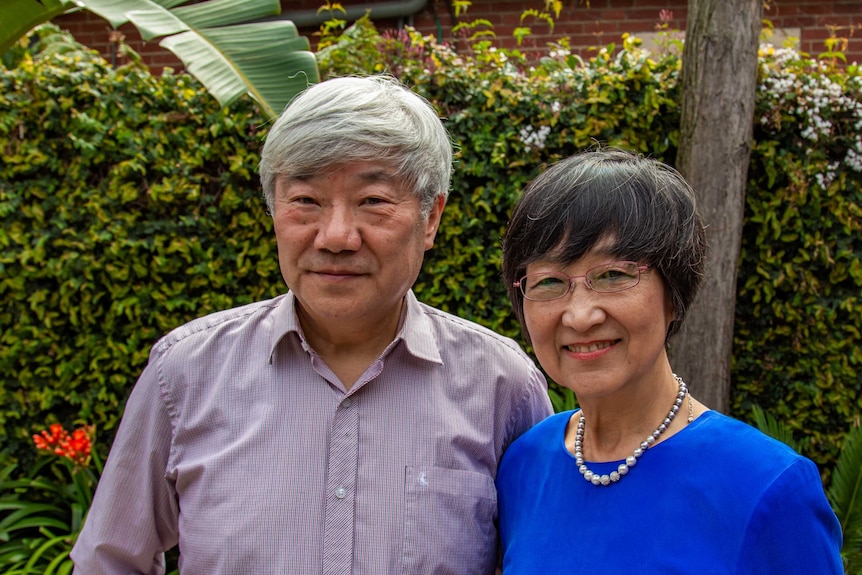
(534, 138)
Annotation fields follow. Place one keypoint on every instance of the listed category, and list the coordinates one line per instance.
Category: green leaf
(21, 16)
(229, 66)
(219, 45)
(775, 429)
(845, 494)
(22, 518)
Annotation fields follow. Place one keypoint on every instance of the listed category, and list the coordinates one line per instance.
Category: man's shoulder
(460, 326)
(231, 320)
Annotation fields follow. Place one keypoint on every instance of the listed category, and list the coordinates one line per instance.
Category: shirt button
(347, 402)
(341, 493)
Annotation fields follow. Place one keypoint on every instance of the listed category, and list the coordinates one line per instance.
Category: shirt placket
(340, 512)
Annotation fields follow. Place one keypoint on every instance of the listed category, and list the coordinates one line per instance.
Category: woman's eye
(616, 272)
(550, 281)
(546, 282)
(609, 275)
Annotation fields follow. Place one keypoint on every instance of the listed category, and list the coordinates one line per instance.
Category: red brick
(600, 23)
(815, 8)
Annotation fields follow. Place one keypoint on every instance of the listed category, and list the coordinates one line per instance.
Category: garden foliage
(130, 204)
(797, 344)
(797, 347)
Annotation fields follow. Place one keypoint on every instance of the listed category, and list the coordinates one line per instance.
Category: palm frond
(845, 495)
(766, 423)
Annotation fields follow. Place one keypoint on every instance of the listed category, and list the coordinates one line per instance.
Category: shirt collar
(416, 330)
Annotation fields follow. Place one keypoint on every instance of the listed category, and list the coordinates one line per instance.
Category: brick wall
(96, 33)
(604, 21)
(600, 23)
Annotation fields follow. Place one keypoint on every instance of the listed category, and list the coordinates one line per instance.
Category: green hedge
(797, 342)
(130, 204)
(797, 345)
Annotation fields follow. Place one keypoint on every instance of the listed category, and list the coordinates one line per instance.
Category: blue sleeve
(793, 530)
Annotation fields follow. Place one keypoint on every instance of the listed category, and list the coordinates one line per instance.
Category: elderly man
(343, 427)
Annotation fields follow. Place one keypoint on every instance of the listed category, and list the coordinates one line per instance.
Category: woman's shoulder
(539, 442)
(552, 426)
(730, 439)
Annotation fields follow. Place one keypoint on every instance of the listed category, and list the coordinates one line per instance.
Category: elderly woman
(602, 258)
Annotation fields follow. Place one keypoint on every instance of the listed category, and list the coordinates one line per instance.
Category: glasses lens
(544, 287)
(615, 276)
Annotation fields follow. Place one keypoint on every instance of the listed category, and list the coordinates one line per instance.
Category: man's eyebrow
(376, 175)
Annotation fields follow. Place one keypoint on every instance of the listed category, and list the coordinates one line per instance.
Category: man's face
(351, 240)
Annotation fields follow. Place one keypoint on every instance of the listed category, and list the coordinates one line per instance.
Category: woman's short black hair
(644, 208)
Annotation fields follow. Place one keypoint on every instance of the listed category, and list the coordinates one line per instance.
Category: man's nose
(338, 231)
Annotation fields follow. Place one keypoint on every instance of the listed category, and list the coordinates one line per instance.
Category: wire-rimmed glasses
(606, 278)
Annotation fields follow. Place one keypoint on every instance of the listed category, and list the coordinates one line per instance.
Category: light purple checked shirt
(239, 444)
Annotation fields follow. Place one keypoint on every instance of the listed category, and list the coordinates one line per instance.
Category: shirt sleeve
(793, 530)
(535, 404)
(133, 518)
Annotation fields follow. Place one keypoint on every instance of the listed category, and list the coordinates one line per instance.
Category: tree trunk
(719, 83)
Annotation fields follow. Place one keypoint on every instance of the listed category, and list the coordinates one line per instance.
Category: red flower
(75, 447)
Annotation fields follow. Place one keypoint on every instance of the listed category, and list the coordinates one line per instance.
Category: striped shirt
(241, 446)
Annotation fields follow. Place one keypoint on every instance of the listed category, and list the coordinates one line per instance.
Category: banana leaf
(21, 16)
(233, 47)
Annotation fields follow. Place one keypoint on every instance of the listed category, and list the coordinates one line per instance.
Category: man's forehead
(365, 169)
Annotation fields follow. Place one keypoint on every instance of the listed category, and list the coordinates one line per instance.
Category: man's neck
(348, 350)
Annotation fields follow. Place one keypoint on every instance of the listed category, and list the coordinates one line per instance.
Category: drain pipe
(377, 11)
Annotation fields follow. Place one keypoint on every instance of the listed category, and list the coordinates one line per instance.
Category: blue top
(717, 497)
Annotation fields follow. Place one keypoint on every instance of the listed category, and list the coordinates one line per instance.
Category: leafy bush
(796, 348)
(508, 121)
(799, 314)
(129, 204)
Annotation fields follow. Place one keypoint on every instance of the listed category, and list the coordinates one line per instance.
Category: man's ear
(433, 221)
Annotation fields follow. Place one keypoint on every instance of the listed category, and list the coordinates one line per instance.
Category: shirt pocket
(450, 520)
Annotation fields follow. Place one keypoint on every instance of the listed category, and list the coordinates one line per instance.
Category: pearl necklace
(632, 459)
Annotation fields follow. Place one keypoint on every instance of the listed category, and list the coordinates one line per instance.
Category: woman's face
(598, 343)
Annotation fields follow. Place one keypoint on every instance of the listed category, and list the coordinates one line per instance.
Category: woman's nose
(582, 307)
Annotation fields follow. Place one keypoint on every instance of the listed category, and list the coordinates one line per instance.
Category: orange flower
(75, 447)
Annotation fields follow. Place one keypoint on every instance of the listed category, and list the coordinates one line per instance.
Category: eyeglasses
(607, 278)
